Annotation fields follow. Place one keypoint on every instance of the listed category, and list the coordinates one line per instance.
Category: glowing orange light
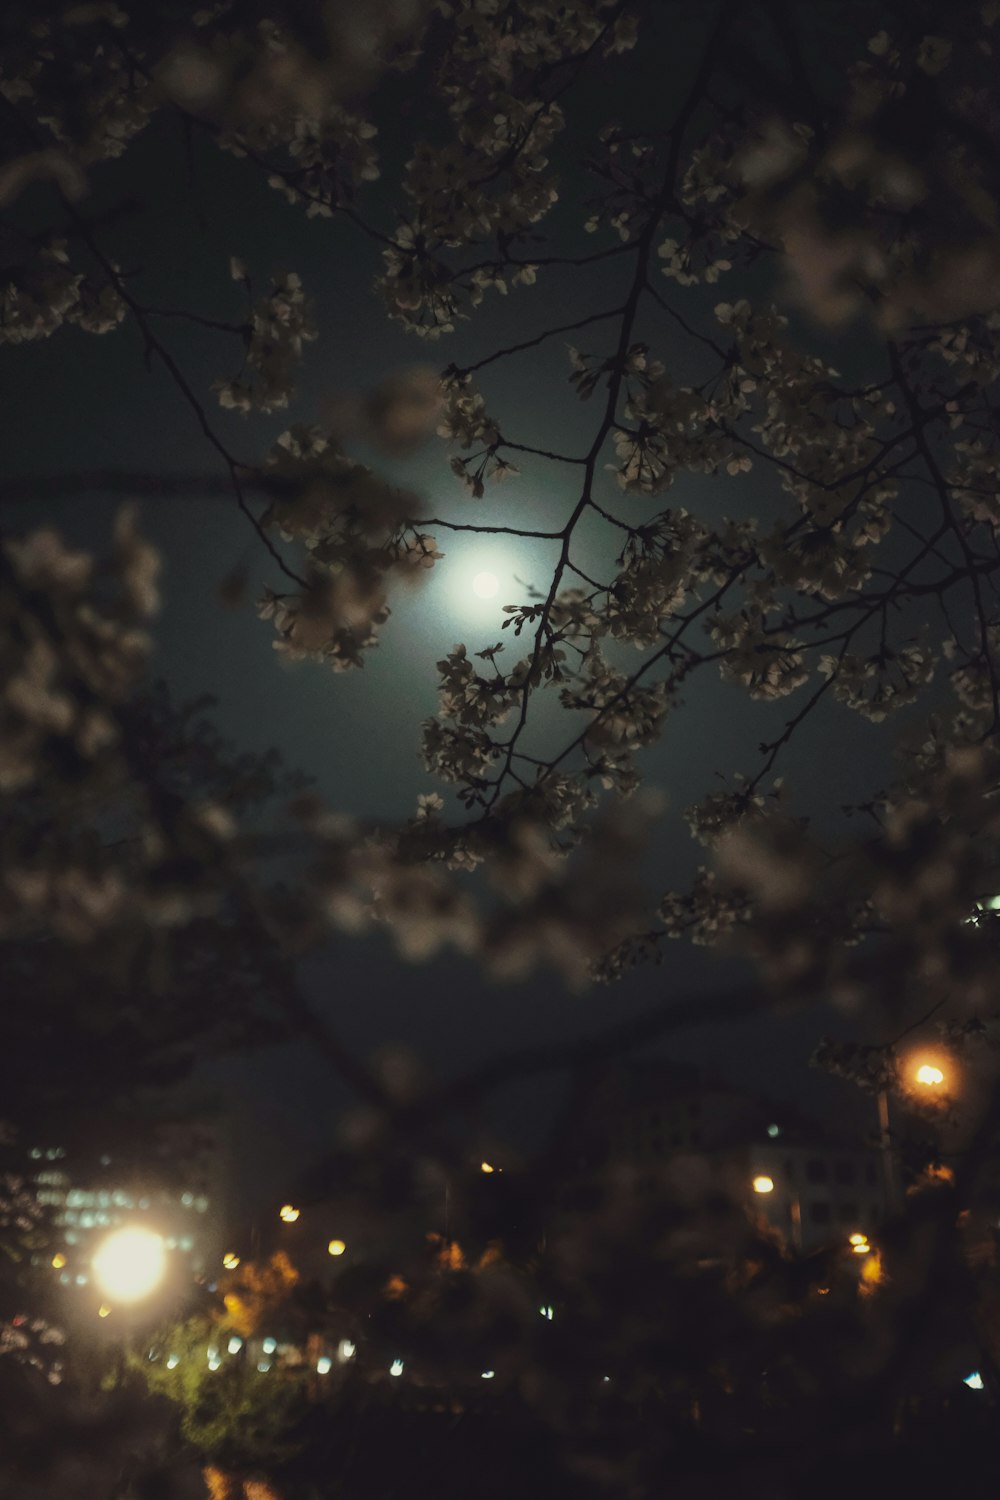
(872, 1274)
(59, 1260)
(230, 1260)
(484, 1166)
(930, 1075)
(763, 1184)
(287, 1214)
(336, 1247)
(858, 1239)
(863, 1248)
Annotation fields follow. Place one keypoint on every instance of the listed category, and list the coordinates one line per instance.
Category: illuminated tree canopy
(751, 260)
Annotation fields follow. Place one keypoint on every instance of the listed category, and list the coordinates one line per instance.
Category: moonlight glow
(130, 1264)
(486, 585)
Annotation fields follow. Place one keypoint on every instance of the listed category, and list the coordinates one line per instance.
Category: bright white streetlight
(929, 1075)
(396, 1368)
(763, 1184)
(130, 1263)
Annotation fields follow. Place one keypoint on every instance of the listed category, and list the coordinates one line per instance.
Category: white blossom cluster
(352, 525)
(67, 667)
(45, 293)
(280, 324)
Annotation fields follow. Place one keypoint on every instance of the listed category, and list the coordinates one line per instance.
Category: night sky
(76, 402)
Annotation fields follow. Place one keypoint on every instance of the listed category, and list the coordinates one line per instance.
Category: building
(639, 1117)
(172, 1195)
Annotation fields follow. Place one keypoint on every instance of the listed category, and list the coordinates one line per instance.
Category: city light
(230, 1260)
(130, 1263)
(324, 1365)
(763, 1184)
(173, 1361)
(974, 1381)
(59, 1260)
(235, 1344)
(104, 1310)
(861, 1248)
(488, 1374)
(484, 1166)
(858, 1239)
(345, 1351)
(774, 1131)
(396, 1368)
(288, 1214)
(269, 1346)
(547, 1311)
(336, 1247)
(929, 1075)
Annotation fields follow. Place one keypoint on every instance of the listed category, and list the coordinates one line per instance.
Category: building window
(847, 1213)
(816, 1170)
(819, 1212)
(844, 1171)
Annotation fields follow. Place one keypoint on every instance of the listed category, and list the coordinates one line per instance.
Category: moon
(486, 585)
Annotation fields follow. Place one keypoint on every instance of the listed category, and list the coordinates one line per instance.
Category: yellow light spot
(288, 1214)
(857, 1239)
(59, 1260)
(484, 1166)
(336, 1247)
(104, 1310)
(763, 1184)
(872, 1274)
(929, 1075)
(395, 1288)
(862, 1248)
(230, 1260)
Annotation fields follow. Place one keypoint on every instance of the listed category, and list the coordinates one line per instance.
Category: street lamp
(287, 1213)
(929, 1075)
(763, 1184)
(130, 1263)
